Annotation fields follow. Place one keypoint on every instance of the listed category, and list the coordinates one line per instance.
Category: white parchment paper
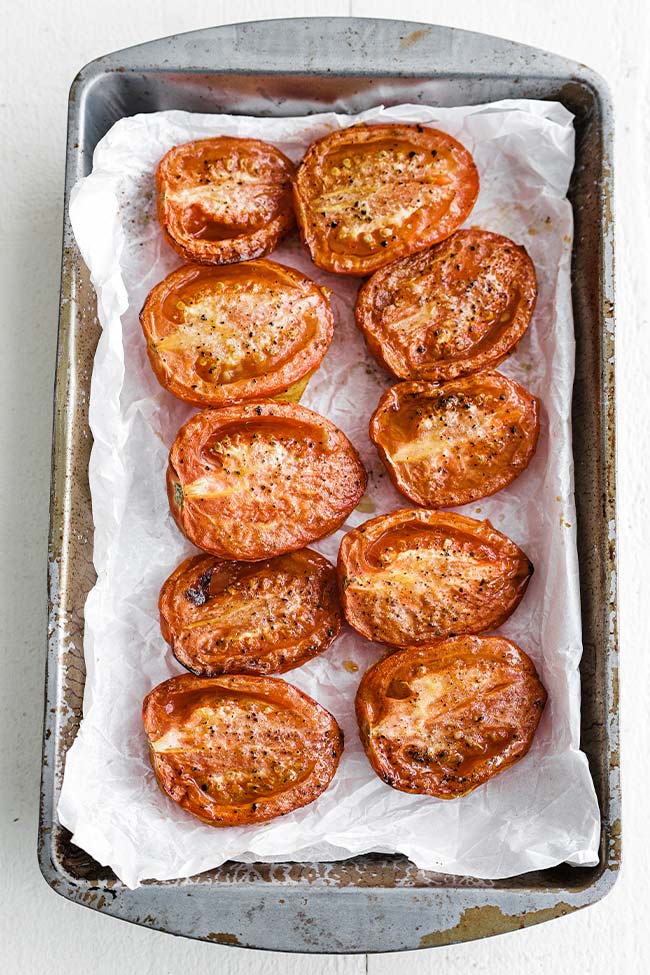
(536, 814)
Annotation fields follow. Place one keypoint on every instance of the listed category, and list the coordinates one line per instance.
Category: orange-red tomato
(222, 335)
(252, 481)
(224, 200)
(413, 576)
(459, 307)
(250, 618)
(449, 444)
(369, 194)
(236, 749)
(443, 719)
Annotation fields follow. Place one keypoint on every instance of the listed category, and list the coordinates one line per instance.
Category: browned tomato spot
(236, 749)
(221, 335)
(250, 618)
(372, 193)
(413, 576)
(452, 443)
(442, 719)
(224, 200)
(459, 307)
(252, 481)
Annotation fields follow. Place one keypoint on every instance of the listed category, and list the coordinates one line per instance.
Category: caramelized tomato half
(449, 444)
(217, 336)
(414, 576)
(457, 308)
(250, 618)
(237, 750)
(443, 719)
(372, 193)
(224, 200)
(252, 481)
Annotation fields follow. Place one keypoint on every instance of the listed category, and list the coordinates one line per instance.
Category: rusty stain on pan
(484, 921)
(373, 902)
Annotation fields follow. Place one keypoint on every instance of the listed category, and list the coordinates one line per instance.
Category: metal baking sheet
(293, 67)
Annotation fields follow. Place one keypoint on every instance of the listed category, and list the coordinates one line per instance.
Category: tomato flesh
(253, 481)
(237, 750)
(370, 194)
(445, 718)
(217, 336)
(250, 618)
(451, 443)
(413, 576)
(224, 200)
(455, 309)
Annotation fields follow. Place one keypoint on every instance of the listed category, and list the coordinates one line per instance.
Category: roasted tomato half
(457, 308)
(448, 444)
(224, 200)
(236, 750)
(441, 720)
(372, 193)
(221, 335)
(414, 576)
(252, 481)
(250, 618)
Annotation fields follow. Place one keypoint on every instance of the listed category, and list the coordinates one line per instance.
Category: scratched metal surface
(375, 902)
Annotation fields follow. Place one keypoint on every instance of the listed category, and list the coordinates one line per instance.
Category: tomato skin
(237, 750)
(369, 194)
(451, 443)
(457, 308)
(252, 481)
(222, 335)
(250, 618)
(225, 199)
(484, 701)
(414, 575)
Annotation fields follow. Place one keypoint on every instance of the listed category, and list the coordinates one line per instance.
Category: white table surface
(43, 45)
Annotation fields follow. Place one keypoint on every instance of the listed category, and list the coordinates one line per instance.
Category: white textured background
(42, 45)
